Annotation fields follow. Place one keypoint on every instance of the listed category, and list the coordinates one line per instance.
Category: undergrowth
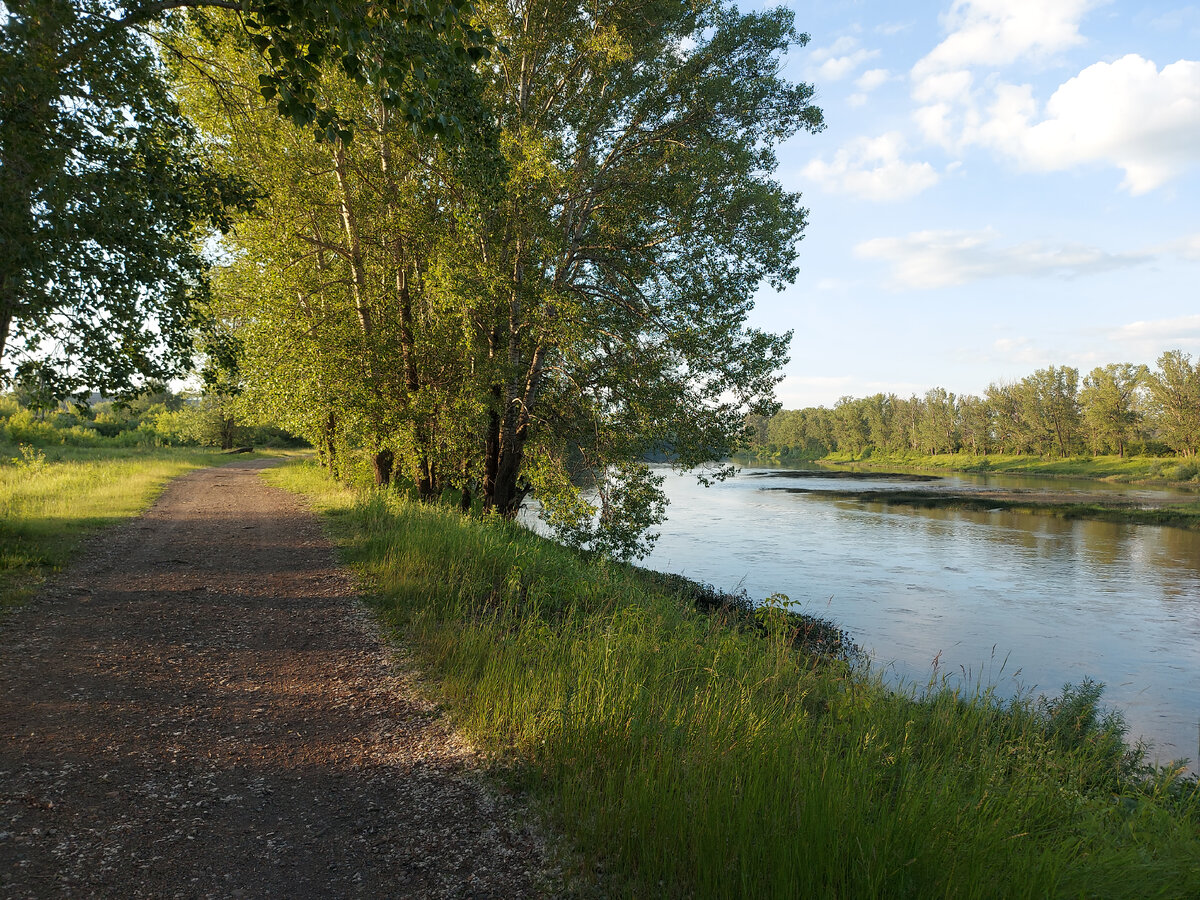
(690, 752)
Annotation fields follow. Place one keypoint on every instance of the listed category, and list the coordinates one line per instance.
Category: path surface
(202, 708)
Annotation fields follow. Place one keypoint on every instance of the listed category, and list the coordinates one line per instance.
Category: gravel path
(201, 707)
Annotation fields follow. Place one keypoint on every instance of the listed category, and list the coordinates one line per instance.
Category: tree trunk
(330, 445)
(358, 276)
(5, 320)
(228, 432)
(382, 462)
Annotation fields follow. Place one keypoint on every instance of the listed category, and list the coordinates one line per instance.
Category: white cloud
(1000, 32)
(1126, 113)
(1187, 248)
(800, 391)
(840, 58)
(871, 79)
(1161, 331)
(871, 168)
(933, 259)
(1018, 350)
(953, 85)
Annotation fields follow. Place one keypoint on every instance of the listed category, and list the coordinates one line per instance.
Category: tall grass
(50, 499)
(687, 755)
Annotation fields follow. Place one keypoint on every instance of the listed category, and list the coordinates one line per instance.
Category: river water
(1023, 601)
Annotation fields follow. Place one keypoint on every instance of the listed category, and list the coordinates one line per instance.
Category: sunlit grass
(49, 499)
(1151, 469)
(689, 757)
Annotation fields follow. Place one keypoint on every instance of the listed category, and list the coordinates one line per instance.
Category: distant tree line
(1115, 409)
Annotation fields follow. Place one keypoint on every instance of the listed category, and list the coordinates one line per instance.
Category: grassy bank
(687, 755)
(1174, 516)
(50, 498)
(1116, 469)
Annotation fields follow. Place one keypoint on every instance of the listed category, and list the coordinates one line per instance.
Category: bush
(23, 428)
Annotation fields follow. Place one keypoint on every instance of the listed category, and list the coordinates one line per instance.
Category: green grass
(685, 755)
(51, 498)
(1174, 516)
(1118, 469)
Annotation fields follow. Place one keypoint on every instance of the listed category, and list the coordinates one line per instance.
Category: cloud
(1126, 113)
(1160, 331)
(871, 79)
(1187, 247)
(934, 259)
(840, 58)
(1018, 350)
(871, 168)
(800, 391)
(1001, 32)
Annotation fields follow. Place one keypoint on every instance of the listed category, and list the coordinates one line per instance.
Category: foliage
(549, 306)
(1120, 407)
(687, 756)
(102, 187)
(1175, 388)
(153, 419)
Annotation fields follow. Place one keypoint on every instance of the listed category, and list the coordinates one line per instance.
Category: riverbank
(1106, 506)
(1147, 470)
(692, 753)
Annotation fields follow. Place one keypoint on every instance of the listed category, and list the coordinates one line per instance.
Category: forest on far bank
(1118, 409)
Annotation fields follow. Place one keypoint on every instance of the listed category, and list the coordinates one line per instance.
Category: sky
(1002, 185)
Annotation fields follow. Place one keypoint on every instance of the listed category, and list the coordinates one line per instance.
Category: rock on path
(201, 707)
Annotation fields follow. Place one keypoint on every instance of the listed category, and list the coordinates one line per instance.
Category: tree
(572, 306)
(937, 427)
(102, 184)
(1109, 404)
(1047, 408)
(637, 221)
(850, 426)
(975, 423)
(1175, 389)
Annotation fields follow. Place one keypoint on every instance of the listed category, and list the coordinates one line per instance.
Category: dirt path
(201, 708)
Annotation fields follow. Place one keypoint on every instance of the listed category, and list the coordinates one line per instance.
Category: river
(1026, 602)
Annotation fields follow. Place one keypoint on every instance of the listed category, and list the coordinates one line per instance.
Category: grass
(687, 754)
(1117, 469)
(1174, 516)
(50, 499)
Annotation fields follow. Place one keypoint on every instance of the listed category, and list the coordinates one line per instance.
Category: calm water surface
(1027, 602)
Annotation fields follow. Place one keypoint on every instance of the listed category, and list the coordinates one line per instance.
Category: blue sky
(1003, 185)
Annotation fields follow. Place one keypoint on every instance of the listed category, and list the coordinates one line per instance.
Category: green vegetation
(1120, 510)
(1114, 469)
(1120, 409)
(555, 299)
(156, 418)
(106, 191)
(49, 499)
(688, 755)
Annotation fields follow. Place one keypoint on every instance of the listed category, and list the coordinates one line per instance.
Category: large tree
(638, 220)
(567, 292)
(1175, 390)
(1109, 400)
(103, 186)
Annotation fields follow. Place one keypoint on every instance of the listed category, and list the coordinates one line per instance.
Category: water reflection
(1027, 601)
